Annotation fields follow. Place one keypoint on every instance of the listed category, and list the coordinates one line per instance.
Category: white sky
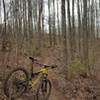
(46, 8)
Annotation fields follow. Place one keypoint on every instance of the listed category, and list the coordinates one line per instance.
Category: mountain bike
(18, 81)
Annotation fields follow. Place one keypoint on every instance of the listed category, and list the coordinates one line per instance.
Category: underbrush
(76, 68)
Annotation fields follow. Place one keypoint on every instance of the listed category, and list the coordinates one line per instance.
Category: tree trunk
(63, 14)
(85, 35)
(49, 22)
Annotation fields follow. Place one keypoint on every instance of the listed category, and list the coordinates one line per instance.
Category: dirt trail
(56, 94)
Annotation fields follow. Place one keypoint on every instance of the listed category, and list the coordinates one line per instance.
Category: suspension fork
(44, 83)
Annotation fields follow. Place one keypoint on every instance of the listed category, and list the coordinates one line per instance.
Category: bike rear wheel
(16, 82)
(44, 90)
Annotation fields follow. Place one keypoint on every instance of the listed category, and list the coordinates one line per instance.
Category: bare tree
(85, 34)
(49, 22)
(4, 15)
(40, 2)
(70, 28)
(73, 31)
(79, 26)
(58, 22)
(54, 28)
(4, 32)
(63, 14)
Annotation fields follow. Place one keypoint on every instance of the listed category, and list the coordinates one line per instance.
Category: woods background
(61, 32)
(69, 29)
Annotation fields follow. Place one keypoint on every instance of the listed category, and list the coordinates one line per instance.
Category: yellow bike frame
(33, 83)
(43, 71)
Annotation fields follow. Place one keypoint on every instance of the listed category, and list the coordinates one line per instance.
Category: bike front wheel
(44, 90)
(16, 82)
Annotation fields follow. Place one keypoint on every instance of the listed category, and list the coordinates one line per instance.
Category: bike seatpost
(32, 63)
(33, 60)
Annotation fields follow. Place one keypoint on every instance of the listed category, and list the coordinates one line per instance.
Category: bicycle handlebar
(47, 66)
(42, 65)
(54, 66)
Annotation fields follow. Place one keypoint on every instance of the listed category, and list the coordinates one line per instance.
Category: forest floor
(78, 88)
